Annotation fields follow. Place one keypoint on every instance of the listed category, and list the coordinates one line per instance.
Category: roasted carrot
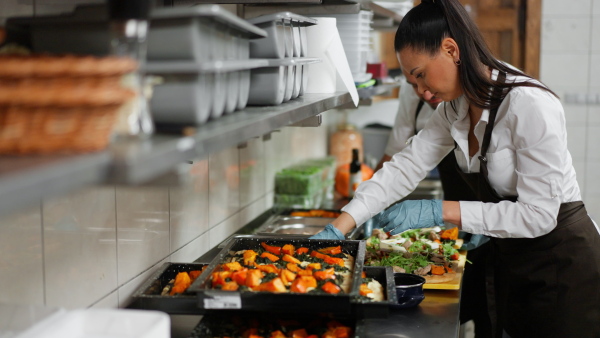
(249, 257)
(240, 276)
(301, 251)
(269, 256)
(287, 276)
(277, 334)
(288, 249)
(253, 278)
(293, 267)
(291, 259)
(302, 283)
(330, 287)
(300, 333)
(230, 286)
(269, 268)
(332, 250)
(451, 234)
(364, 290)
(314, 266)
(194, 274)
(233, 266)
(274, 285)
(275, 250)
(437, 270)
(324, 274)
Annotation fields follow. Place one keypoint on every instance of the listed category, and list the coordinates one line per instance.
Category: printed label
(223, 302)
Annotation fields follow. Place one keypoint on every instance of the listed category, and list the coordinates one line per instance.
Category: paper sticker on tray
(223, 302)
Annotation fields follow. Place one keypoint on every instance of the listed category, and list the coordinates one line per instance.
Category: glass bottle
(355, 173)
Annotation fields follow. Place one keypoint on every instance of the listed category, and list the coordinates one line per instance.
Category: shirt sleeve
(400, 176)
(536, 121)
(404, 124)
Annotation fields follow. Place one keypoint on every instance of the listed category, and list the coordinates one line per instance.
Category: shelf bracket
(313, 121)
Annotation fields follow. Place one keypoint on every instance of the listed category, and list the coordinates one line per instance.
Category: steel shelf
(139, 161)
(25, 180)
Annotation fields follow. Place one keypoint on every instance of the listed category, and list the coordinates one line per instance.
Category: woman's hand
(410, 214)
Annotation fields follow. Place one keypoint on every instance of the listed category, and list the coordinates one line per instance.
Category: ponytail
(426, 25)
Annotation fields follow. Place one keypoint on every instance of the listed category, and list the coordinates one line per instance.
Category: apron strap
(496, 97)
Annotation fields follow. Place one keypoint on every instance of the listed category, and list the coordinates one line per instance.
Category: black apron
(547, 286)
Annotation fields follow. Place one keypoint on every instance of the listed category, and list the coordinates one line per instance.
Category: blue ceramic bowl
(409, 290)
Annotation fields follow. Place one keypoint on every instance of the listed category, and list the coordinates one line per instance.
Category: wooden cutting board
(455, 283)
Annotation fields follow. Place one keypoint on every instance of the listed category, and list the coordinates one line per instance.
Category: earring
(457, 62)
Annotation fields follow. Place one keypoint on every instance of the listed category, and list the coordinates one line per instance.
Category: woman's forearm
(344, 223)
(451, 212)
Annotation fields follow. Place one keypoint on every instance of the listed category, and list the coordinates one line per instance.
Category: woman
(508, 133)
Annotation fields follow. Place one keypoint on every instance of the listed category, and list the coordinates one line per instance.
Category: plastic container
(194, 92)
(176, 33)
(297, 81)
(103, 323)
(303, 179)
(343, 141)
(282, 28)
(271, 85)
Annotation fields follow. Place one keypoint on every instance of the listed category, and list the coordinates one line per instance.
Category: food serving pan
(300, 226)
(148, 295)
(211, 299)
(365, 308)
(235, 324)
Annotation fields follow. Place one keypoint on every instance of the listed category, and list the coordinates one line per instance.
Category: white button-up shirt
(404, 125)
(527, 157)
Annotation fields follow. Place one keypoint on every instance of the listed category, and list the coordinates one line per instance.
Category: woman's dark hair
(426, 25)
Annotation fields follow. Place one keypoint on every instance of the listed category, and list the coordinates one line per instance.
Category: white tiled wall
(95, 247)
(569, 65)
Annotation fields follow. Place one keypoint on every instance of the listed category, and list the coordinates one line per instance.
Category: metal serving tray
(295, 226)
(371, 309)
(148, 297)
(233, 325)
(279, 302)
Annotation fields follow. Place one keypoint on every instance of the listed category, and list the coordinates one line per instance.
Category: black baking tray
(235, 323)
(210, 299)
(148, 297)
(365, 308)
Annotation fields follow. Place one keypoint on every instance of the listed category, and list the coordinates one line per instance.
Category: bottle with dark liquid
(355, 173)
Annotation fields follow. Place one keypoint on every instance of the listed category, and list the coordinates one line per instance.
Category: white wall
(570, 65)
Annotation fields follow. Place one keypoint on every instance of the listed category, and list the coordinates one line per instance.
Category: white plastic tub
(284, 36)
(102, 323)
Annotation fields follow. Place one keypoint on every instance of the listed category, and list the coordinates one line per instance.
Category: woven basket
(47, 107)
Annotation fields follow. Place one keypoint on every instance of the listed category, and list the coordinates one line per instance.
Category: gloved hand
(410, 214)
(330, 232)
(474, 242)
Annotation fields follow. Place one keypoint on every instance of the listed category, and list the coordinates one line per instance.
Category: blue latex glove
(410, 214)
(475, 242)
(330, 232)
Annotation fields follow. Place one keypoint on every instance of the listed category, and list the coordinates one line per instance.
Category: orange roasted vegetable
(240, 276)
(287, 276)
(293, 267)
(182, 282)
(302, 283)
(253, 278)
(332, 250)
(269, 268)
(269, 256)
(314, 266)
(274, 285)
(325, 274)
(194, 274)
(305, 272)
(233, 266)
(331, 287)
(300, 333)
(288, 249)
(291, 259)
(437, 270)
(451, 234)
(230, 286)
(301, 251)
(275, 250)
(328, 259)
(219, 277)
(364, 290)
(249, 257)
(277, 334)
